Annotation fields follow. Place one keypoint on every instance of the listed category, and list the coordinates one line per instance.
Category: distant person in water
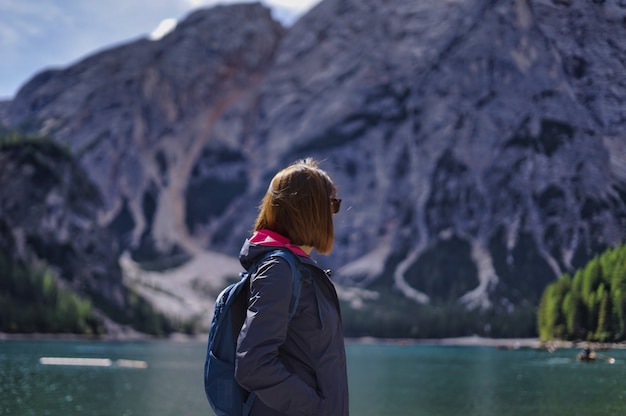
(587, 354)
(295, 367)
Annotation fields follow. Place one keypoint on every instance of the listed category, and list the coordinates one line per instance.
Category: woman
(295, 367)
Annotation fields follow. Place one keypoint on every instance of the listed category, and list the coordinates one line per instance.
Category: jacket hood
(263, 241)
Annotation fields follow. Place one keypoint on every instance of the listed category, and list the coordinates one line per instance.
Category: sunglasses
(335, 204)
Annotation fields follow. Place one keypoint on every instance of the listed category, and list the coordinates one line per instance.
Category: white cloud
(165, 27)
(205, 3)
(293, 4)
(197, 3)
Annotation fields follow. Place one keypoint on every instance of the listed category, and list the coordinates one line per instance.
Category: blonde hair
(297, 205)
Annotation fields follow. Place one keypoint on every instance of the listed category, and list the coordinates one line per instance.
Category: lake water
(384, 380)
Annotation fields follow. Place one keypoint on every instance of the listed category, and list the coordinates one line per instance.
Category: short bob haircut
(297, 206)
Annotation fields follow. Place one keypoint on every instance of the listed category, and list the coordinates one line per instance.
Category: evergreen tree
(591, 305)
(604, 315)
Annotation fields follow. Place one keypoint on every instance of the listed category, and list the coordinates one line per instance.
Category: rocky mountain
(49, 214)
(50, 207)
(478, 145)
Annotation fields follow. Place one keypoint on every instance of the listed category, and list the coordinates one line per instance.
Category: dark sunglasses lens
(336, 205)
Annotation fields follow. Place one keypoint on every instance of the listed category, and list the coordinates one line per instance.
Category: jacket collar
(273, 239)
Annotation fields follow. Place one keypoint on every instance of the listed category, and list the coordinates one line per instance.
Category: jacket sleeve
(258, 366)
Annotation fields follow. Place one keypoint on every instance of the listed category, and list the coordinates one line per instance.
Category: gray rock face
(478, 145)
(474, 119)
(140, 117)
(48, 212)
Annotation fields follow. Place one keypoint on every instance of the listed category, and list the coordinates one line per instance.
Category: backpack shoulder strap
(296, 277)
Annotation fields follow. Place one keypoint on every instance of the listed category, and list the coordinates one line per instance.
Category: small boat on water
(589, 355)
(586, 355)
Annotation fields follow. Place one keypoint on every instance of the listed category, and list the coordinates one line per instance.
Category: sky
(41, 34)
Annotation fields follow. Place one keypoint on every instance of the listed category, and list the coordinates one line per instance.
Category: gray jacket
(297, 367)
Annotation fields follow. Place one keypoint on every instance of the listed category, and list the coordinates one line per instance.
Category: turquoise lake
(385, 379)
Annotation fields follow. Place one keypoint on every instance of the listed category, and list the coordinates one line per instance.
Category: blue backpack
(226, 397)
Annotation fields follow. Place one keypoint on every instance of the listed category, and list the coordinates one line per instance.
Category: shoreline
(118, 337)
(499, 343)
(468, 341)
